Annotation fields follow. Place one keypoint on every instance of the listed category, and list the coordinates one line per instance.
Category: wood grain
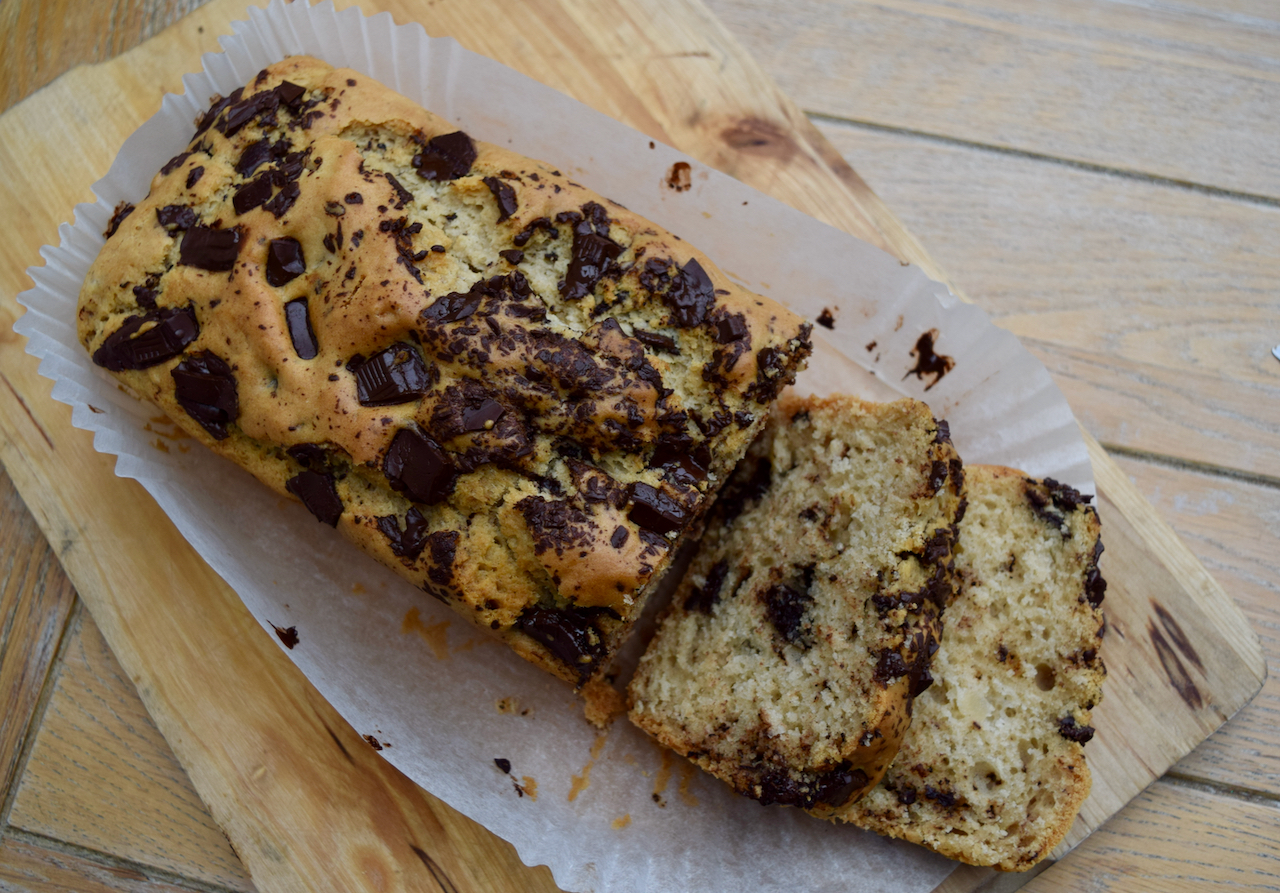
(1164, 346)
(42, 40)
(36, 867)
(1175, 838)
(1233, 526)
(1185, 92)
(36, 600)
(101, 777)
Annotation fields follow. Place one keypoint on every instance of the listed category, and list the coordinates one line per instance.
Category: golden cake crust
(510, 389)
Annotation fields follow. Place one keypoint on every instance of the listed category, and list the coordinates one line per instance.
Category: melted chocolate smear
(417, 466)
(691, 296)
(785, 608)
(174, 329)
(1095, 587)
(300, 332)
(504, 195)
(406, 543)
(654, 510)
(704, 597)
(205, 387)
(284, 263)
(568, 635)
(123, 210)
(395, 375)
(176, 217)
(446, 157)
(890, 666)
(1069, 729)
(288, 636)
(210, 249)
(318, 494)
(928, 362)
(444, 548)
(145, 295)
(835, 787)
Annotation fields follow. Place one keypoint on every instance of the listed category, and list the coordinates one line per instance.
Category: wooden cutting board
(305, 802)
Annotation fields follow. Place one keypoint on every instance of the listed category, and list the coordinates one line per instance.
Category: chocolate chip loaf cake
(992, 769)
(788, 660)
(510, 389)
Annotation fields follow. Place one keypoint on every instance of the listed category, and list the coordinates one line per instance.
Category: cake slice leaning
(788, 659)
(992, 769)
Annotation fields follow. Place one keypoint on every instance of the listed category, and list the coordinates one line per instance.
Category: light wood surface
(1208, 800)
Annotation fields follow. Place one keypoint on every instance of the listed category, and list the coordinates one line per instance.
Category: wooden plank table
(1102, 180)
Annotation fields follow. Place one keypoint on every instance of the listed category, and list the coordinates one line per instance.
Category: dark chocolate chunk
(619, 537)
(145, 295)
(1069, 729)
(937, 476)
(403, 196)
(943, 434)
(826, 318)
(300, 332)
(785, 607)
(216, 108)
(395, 375)
(482, 417)
(592, 254)
(405, 543)
(194, 176)
(417, 466)
(174, 329)
(123, 210)
(654, 510)
(174, 163)
(906, 795)
(254, 155)
(890, 666)
(353, 198)
(943, 798)
(504, 195)
(568, 635)
(655, 339)
(838, 786)
(504, 765)
(731, 328)
(205, 387)
(210, 249)
(512, 256)
(452, 307)
(177, 217)
(290, 94)
(319, 494)
(704, 597)
(252, 194)
(691, 295)
(284, 199)
(446, 157)
(284, 262)
(444, 549)
(309, 455)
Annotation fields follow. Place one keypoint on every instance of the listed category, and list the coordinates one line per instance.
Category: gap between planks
(1142, 176)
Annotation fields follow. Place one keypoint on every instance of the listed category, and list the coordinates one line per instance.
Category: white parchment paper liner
(402, 668)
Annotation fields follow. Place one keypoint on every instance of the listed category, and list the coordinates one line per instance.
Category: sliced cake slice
(789, 657)
(992, 769)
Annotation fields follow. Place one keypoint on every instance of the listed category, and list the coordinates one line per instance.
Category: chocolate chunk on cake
(510, 389)
(992, 770)
(790, 656)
